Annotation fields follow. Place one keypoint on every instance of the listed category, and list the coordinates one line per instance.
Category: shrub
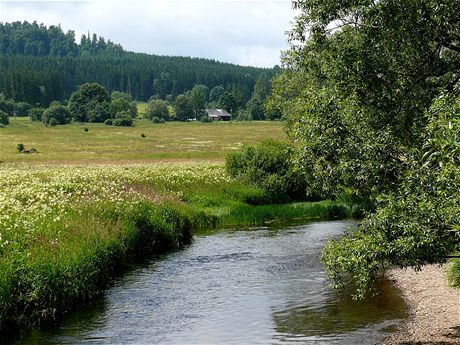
(205, 119)
(157, 108)
(155, 119)
(7, 106)
(22, 109)
(36, 113)
(108, 122)
(268, 166)
(123, 119)
(4, 118)
(142, 135)
(162, 121)
(56, 115)
(20, 147)
(2, 125)
(86, 129)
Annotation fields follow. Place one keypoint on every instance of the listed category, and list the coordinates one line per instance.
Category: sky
(244, 32)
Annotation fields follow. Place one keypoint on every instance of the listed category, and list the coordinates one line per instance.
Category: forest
(42, 64)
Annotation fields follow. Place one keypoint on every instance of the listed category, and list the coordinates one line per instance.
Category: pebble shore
(434, 308)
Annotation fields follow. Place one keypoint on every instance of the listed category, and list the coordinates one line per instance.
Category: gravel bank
(434, 308)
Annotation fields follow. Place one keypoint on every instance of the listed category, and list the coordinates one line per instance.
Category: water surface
(258, 286)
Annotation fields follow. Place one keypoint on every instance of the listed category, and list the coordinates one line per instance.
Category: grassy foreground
(70, 144)
(65, 231)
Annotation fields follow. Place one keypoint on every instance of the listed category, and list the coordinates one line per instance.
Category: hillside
(40, 64)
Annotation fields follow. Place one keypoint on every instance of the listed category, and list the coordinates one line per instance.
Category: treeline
(32, 39)
(39, 65)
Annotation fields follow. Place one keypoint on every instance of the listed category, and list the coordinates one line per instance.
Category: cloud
(250, 32)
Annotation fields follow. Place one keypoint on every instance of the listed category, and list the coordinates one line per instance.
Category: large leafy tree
(90, 103)
(358, 79)
(355, 93)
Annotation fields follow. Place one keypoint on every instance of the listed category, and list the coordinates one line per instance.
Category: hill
(40, 64)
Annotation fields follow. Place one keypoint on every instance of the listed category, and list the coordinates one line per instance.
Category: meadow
(71, 220)
(71, 144)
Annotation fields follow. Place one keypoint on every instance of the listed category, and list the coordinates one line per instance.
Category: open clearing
(70, 144)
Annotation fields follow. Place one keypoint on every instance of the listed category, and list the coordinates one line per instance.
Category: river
(257, 286)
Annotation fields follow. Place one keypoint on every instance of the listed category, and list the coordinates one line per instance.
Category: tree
(183, 108)
(158, 108)
(121, 101)
(355, 93)
(215, 94)
(162, 85)
(90, 101)
(420, 221)
(198, 99)
(255, 109)
(228, 102)
(59, 114)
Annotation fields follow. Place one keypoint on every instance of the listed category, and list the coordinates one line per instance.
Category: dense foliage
(157, 108)
(268, 165)
(40, 64)
(355, 93)
(57, 115)
(4, 118)
(90, 103)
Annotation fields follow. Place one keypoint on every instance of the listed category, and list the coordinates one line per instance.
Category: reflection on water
(341, 318)
(233, 287)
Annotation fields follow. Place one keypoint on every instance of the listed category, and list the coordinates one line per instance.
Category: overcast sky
(246, 32)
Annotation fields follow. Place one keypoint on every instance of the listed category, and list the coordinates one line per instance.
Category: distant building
(218, 114)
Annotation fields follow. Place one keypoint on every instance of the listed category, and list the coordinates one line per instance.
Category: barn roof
(218, 112)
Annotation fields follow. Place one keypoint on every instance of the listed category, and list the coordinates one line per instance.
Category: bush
(7, 107)
(4, 118)
(108, 122)
(162, 121)
(22, 109)
(36, 113)
(268, 166)
(157, 108)
(21, 147)
(123, 119)
(86, 129)
(205, 119)
(155, 119)
(56, 115)
(142, 135)
(2, 125)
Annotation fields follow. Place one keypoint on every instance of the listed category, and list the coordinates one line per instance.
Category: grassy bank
(70, 144)
(65, 231)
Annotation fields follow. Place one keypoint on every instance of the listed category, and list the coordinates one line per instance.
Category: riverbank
(66, 231)
(434, 308)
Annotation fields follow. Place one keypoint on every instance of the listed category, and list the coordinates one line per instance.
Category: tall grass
(65, 231)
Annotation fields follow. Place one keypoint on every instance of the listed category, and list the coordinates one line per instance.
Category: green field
(67, 226)
(70, 144)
